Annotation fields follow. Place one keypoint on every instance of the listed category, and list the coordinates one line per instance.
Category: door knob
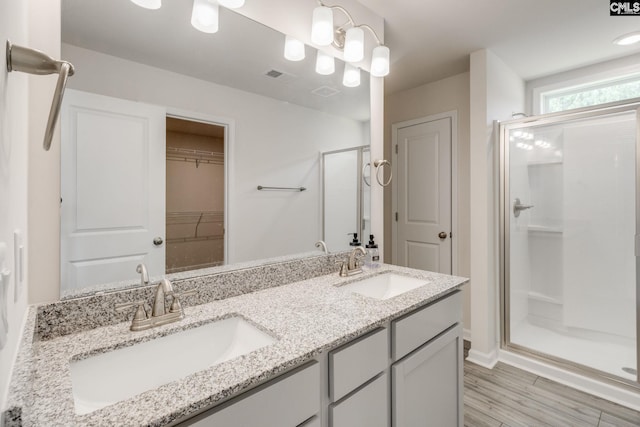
(442, 235)
(158, 241)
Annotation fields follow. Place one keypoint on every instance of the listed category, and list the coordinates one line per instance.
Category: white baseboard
(486, 360)
(620, 395)
(466, 334)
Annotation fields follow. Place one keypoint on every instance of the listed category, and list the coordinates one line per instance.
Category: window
(595, 93)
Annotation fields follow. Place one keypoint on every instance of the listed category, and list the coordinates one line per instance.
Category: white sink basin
(107, 378)
(385, 286)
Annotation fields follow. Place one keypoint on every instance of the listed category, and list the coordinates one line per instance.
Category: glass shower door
(569, 221)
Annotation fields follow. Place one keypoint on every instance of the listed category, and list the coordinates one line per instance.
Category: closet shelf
(195, 156)
(194, 217)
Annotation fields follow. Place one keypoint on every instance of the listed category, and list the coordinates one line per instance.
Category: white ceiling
(430, 40)
(238, 55)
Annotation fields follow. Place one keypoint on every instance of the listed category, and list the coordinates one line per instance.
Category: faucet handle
(175, 304)
(343, 268)
(141, 312)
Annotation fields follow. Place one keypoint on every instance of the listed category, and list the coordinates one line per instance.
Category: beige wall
(496, 92)
(450, 94)
(44, 166)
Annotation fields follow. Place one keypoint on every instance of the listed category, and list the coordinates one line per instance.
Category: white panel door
(112, 189)
(424, 196)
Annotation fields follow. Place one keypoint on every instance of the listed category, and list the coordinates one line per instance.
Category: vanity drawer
(368, 407)
(416, 328)
(357, 362)
(289, 400)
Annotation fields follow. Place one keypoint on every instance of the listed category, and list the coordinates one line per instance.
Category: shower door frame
(501, 131)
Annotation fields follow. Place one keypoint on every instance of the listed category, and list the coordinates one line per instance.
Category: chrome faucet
(352, 265)
(323, 245)
(158, 315)
(144, 276)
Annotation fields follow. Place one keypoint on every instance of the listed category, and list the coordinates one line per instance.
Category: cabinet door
(426, 388)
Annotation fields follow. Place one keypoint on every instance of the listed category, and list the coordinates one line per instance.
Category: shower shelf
(545, 162)
(544, 229)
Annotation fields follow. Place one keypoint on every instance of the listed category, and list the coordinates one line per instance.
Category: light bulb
(354, 45)
(325, 64)
(148, 4)
(293, 49)
(380, 61)
(322, 26)
(204, 16)
(628, 39)
(231, 4)
(351, 77)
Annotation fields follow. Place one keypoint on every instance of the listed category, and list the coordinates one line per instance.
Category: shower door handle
(519, 207)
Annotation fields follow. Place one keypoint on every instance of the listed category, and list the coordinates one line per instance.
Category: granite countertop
(307, 318)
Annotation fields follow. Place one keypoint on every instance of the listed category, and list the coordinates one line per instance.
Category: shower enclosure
(568, 221)
(346, 196)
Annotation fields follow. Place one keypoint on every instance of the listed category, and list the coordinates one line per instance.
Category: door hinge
(396, 216)
(396, 148)
(450, 235)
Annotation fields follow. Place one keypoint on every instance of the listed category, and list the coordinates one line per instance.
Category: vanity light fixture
(348, 37)
(148, 4)
(325, 64)
(204, 16)
(293, 49)
(351, 77)
(628, 39)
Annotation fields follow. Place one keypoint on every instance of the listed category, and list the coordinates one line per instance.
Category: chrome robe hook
(33, 61)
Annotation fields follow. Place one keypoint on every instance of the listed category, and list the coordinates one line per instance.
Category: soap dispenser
(355, 241)
(373, 256)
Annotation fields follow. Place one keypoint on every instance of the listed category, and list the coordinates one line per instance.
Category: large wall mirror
(167, 132)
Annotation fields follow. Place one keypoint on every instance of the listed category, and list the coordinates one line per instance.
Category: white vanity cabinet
(406, 374)
(427, 378)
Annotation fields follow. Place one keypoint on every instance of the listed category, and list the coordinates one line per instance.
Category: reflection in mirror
(188, 194)
(346, 179)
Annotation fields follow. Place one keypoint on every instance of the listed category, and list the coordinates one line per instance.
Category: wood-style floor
(509, 397)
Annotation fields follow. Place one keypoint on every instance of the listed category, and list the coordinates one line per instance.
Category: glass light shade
(322, 26)
(354, 45)
(351, 77)
(204, 16)
(231, 4)
(325, 64)
(293, 49)
(148, 4)
(628, 39)
(380, 61)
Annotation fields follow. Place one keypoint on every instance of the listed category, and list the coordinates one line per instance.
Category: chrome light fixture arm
(338, 41)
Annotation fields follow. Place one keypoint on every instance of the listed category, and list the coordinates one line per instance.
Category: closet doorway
(195, 194)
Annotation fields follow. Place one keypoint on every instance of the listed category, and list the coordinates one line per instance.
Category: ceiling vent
(281, 76)
(325, 91)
